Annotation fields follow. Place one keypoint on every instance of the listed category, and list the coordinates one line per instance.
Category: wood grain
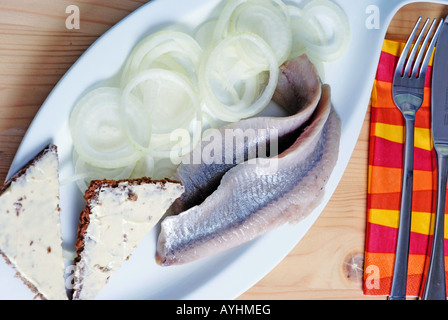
(405, 19)
(36, 49)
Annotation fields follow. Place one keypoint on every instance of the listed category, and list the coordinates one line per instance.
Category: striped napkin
(384, 182)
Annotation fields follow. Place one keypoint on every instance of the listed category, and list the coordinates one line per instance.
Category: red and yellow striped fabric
(384, 182)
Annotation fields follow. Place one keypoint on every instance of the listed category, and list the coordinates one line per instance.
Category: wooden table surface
(36, 49)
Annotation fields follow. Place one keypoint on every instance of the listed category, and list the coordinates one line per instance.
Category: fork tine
(417, 69)
(404, 53)
(424, 67)
(410, 63)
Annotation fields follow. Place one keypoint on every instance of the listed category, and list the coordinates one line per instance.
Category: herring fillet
(298, 92)
(247, 204)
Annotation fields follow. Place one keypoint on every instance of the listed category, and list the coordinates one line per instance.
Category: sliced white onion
(84, 172)
(274, 29)
(221, 28)
(165, 168)
(294, 12)
(181, 47)
(303, 34)
(144, 167)
(329, 16)
(212, 69)
(160, 88)
(221, 25)
(208, 121)
(204, 33)
(97, 129)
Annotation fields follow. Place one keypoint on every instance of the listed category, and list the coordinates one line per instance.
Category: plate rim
(24, 152)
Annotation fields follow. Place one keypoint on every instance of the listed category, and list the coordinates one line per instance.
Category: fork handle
(435, 286)
(399, 278)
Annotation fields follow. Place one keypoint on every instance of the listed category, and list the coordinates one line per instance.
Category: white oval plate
(226, 275)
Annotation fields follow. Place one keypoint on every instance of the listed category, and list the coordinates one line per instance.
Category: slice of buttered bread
(30, 228)
(118, 214)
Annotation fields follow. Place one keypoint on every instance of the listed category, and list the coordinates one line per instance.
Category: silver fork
(407, 90)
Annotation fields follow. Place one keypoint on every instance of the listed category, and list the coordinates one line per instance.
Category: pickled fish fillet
(248, 203)
(298, 92)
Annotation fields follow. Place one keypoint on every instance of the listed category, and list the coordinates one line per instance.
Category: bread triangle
(30, 228)
(118, 214)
